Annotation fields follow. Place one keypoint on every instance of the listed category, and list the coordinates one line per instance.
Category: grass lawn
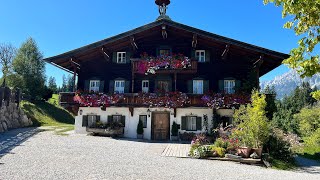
(49, 114)
(310, 152)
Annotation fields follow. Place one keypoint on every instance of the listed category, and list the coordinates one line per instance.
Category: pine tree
(52, 85)
(64, 84)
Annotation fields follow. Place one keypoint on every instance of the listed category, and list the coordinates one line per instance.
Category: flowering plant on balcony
(150, 64)
(97, 99)
(220, 100)
(164, 99)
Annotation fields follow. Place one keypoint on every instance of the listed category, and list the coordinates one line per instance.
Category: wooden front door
(160, 126)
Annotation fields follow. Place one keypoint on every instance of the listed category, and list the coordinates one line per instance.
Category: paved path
(308, 165)
(177, 150)
(46, 155)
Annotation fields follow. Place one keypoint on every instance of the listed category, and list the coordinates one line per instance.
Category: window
(163, 86)
(116, 118)
(145, 86)
(191, 123)
(143, 118)
(94, 85)
(92, 120)
(200, 55)
(119, 86)
(121, 57)
(197, 86)
(164, 52)
(229, 86)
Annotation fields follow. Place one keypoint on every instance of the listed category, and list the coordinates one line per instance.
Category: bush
(309, 120)
(47, 93)
(174, 129)
(200, 139)
(221, 143)
(219, 151)
(186, 136)
(199, 151)
(140, 127)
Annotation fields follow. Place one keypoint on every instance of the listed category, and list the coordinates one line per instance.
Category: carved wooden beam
(259, 62)
(74, 64)
(133, 43)
(164, 32)
(225, 52)
(194, 41)
(105, 54)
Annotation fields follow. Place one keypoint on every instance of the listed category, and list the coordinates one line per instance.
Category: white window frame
(164, 54)
(229, 86)
(145, 89)
(96, 87)
(116, 118)
(191, 123)
(119, 86)
(199, 56)
(197, 86)
(121, 57)
(92, 120)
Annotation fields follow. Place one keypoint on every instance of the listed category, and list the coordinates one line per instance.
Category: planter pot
(258, 151)
(174, 138)
(139, 136)
(106, 132)
(244, 151)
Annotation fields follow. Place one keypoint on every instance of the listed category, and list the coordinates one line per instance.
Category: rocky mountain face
(286, 83)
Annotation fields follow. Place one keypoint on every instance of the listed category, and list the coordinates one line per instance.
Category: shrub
(199, 151)
(200, 139)
(219, 151)
(222, 143)
(309, 120)
(140, 127)
(186, 136)
(174, 129)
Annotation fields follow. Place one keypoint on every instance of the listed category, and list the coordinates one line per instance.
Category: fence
(7, 95)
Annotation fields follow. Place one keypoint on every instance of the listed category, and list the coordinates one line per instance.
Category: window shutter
(221, 86)
(123, 120)
(190, 86)
(238, 85)
(199, 123)
(207, 56)
(97, 118)
(128, 56)
(111, 86)
(126, 86)
(110, 119)
(193, 54)
(84, 121)
(86, 85)
(101, 88)
(183, 122)
(205, 86)
(114, 57)
(170, 85)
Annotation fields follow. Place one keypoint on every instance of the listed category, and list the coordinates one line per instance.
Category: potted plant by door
(174, 132)
(140, 130)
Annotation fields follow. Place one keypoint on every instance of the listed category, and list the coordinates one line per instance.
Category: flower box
(106, 131)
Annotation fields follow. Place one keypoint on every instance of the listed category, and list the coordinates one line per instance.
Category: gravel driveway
(49, 156)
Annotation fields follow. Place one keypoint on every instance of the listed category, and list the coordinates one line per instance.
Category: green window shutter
(221, 86)
(114, 57)
(128, 56)
(208, 56)
(238, 85)
(86, 85)
(84, 121)
(199, 123)
(123, 121)
(97, 118)
(111, 86)
(101, 88)
(205, 86)
(183, 122)
(127, 87)
(193, 54)
(110, 119)
(190, 86)
(170, 85)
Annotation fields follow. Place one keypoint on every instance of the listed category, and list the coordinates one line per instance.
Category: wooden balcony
(189, 70)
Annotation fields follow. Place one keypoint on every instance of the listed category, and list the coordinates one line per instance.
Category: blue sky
(59, 25)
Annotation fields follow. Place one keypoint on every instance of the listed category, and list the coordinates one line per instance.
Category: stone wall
(12, 117)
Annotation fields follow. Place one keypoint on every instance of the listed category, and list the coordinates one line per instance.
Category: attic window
(121, 57)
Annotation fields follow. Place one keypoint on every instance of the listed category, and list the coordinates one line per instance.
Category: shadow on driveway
(10, 139)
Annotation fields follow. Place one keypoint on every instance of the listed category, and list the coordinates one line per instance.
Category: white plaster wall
(132, 121)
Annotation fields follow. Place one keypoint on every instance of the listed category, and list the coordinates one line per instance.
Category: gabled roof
(62, 59)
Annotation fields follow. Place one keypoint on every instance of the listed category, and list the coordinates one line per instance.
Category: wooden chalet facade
(112, 65)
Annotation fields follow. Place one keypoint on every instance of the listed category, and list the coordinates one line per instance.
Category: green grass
(282, 165)
(49, 114)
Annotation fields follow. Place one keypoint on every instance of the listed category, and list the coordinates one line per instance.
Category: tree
(52, 85)
(29, 65)
(64, 84)
(305, 22)
(7, 54)
(271, 107)
(70, 84)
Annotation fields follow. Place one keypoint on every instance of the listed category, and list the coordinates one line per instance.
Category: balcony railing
(188, 70)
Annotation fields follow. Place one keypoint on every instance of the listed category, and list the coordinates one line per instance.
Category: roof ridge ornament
(163, 6)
